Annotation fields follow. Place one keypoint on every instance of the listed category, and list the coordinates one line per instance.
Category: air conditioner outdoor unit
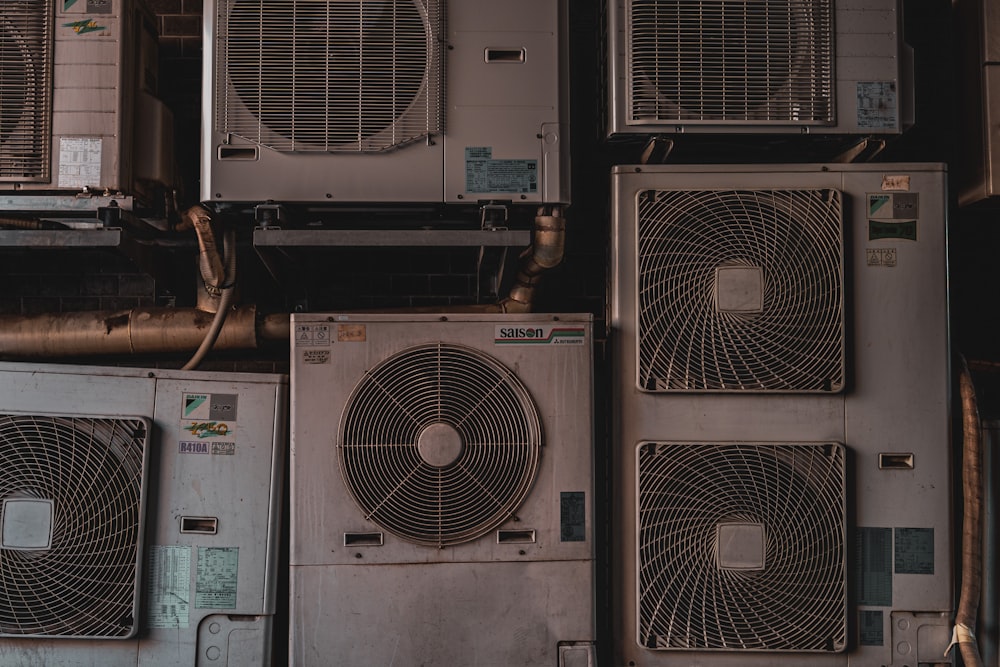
(781, 415)
(442, 490)
(140, 515)
(782, 66)
(77, 104)
(385, 101)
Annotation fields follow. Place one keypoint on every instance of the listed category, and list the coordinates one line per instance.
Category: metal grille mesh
(440, 444)
(330, 75)
(746, 61)
(85, 583)
(25, 89)
(687, 340)
(797, 601)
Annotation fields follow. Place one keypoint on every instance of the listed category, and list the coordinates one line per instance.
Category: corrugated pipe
(29, 224)
(972, 551)
(218, 276)
(546, 252)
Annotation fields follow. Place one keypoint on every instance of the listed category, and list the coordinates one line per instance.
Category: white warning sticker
(79, 163)
(168, 595)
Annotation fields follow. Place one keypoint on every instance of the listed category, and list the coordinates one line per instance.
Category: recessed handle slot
(201, 525)
(363, 539)
(505, 55)
(515, 537)
(237, 153)
(895, 461)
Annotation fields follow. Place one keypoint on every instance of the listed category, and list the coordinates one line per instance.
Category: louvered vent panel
(740, 290)
(440, 444)
(25, 90)
(729, 61)
(72, 493)
(742, 546)
(330, 75)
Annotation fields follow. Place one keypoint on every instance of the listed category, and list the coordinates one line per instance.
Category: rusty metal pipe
(136, 331)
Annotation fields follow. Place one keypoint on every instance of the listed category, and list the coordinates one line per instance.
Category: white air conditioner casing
(79, 109)
(394, 101)
(442, 490)
(781, 415)
(788, 67)
(207, 521)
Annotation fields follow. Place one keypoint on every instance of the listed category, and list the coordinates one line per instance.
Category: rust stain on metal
(116, 322)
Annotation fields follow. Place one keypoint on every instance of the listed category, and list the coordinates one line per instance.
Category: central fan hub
(440, 445)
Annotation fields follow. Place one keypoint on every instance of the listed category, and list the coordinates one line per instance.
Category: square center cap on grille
(739, 289)
(27, 524)
(740, 546)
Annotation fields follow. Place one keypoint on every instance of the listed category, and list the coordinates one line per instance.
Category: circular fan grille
(91, 469)
(791, 497)
(740, 290)
(764, 60)
(440, 444)
(331, 75)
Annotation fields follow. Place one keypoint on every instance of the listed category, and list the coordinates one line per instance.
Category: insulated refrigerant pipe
(136, 331)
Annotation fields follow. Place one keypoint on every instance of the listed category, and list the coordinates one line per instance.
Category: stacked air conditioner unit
(77, 105)
(385, 101)
(442, 490)
(139, 516)
(775, 66)
(781, 437)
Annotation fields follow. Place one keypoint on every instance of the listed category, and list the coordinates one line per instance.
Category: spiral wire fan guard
(740, 290)
(741, 546)
(73, 502)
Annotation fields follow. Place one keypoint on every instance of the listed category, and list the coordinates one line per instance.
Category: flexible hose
(225, 301)
(972, 497)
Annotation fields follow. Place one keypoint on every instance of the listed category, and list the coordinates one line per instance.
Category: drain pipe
(963, 633)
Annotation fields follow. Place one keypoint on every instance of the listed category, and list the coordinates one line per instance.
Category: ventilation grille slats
(755, 61)
(25, 90)
(330, 75)
(91, 472)
(439, 444)
(742, 547)
(740, 290)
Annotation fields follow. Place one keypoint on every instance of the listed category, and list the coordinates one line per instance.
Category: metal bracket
(269, 215)
(493, 217)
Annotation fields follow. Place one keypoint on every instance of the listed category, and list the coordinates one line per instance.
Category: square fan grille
(740, 290)
(330, 75)
(25, 89)
(742, 546)
(73, 501)
(767, 61)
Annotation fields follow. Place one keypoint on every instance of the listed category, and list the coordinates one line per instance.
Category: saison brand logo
(544, 335)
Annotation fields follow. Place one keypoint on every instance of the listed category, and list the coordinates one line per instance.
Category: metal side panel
(484, 614)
